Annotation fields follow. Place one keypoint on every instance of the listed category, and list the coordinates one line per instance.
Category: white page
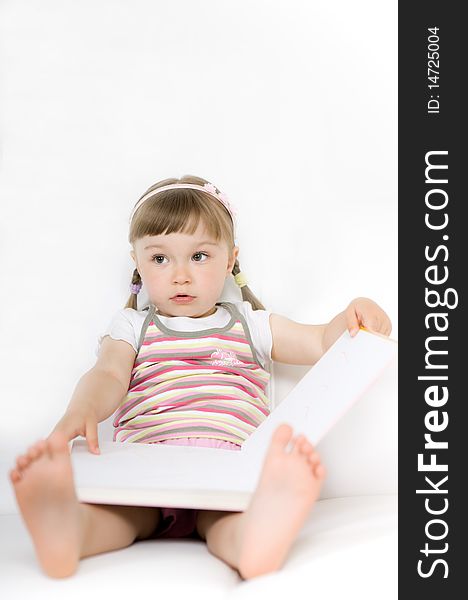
(161, 475)
(327, 391)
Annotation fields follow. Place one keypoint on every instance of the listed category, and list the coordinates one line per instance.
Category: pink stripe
(226, 411)
(151, 338)
(199, 441)
(199, 403)
(159, 372)
(169, 423)
(161, 433)
(203, 353)
(171, 426)
(180, 405)
(156, 372)
(188, 360)
(196, 382)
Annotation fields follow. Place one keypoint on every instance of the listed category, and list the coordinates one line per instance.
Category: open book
(218, 479)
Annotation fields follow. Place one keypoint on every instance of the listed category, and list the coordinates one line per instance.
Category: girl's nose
(182, 275)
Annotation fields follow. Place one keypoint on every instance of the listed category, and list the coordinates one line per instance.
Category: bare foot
(288, 487)
(45, 492)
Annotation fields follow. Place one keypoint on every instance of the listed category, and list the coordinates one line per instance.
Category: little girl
(186, 370)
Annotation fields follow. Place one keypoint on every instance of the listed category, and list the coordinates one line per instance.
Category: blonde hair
(180, 211)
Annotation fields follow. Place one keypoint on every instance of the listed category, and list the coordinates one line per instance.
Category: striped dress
(205, 384)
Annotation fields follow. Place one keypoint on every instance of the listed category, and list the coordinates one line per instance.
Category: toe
(282, 435)
(299, 444)
(37, 450)
(314, 458)
(15, 476)
(320, 471)
(22, 462)
(34, 451)
(41, 446)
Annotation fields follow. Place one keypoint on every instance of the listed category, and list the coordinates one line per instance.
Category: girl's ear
(233, 258)
(132, 254)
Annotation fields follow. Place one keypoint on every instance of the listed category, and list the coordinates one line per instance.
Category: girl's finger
(92, 437)
(352, 321)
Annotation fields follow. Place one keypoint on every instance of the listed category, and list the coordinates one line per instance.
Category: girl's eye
(160, 256)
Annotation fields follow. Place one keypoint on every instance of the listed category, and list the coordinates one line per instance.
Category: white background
(289, 107)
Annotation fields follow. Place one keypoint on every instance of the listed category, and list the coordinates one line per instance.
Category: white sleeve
(259, 325)
(121, 327)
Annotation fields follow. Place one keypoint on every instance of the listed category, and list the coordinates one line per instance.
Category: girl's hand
(366, 313)
(82, 422)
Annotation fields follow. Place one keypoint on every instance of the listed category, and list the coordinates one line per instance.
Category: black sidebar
(433, 269)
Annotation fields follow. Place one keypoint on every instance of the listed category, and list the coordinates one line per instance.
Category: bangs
(181, 211)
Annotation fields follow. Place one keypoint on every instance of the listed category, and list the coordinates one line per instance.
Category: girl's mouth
(182, 299)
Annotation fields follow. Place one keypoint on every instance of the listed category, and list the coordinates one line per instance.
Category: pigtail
(246, 292)
(132, 301)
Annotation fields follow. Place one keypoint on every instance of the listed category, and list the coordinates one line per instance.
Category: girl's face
(178, 263)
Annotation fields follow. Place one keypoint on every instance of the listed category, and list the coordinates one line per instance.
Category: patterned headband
(208, 187)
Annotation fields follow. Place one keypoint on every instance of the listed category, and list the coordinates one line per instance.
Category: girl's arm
(99, 392)
(96, 397)
(301, 344)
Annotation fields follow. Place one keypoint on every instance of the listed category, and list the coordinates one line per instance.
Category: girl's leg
(221, 531)
(257, 541)
(107, 527)
(62, 529)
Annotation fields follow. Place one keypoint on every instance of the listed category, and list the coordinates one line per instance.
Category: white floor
(346, 549)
